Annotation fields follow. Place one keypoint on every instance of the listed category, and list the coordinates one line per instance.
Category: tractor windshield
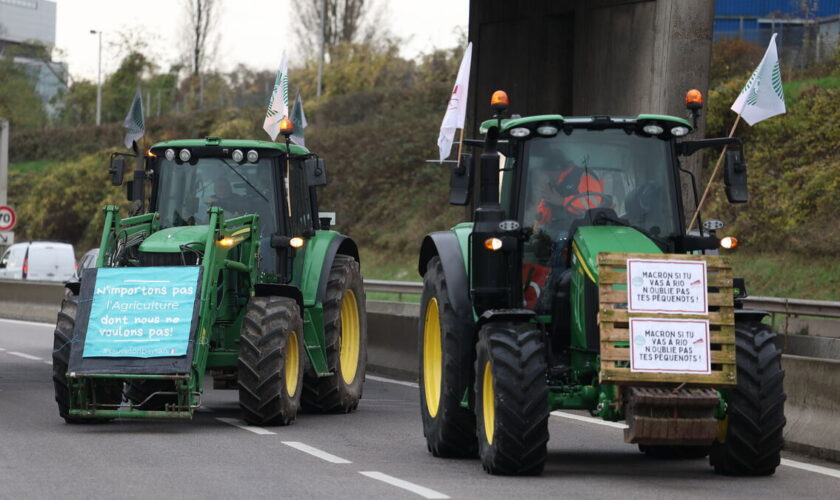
(626, 176)
(186, 191)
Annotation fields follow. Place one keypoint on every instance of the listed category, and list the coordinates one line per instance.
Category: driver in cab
(567, 195)
(225, 198)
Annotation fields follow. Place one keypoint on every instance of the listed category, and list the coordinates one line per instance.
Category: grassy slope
(789, 275)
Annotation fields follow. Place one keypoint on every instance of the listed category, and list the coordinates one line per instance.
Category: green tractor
(578, 286)
(232, 273)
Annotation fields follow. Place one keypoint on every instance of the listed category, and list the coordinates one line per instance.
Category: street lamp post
(98, 80)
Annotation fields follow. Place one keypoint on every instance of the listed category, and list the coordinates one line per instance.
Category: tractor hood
(171, 239)
(589, 241)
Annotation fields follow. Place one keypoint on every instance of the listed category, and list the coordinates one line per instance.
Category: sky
(252, 32)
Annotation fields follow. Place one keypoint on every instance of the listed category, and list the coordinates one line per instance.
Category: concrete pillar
(4, 160)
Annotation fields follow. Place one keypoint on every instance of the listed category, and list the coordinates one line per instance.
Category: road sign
(7, 238)
(7, 218)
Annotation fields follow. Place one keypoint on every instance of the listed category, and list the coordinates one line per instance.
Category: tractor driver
(225, 198)
(566, 196)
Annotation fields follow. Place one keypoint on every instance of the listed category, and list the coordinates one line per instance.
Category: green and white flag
(299, 120)
(135, 128)
(278, 104)
(763, 96)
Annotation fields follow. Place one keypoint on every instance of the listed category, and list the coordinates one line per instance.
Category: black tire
(449, 428)
(104, 391)
(755, 407)
(138, 391)
(512, 441)
(344, 303)
(667, 452)
(271, 361)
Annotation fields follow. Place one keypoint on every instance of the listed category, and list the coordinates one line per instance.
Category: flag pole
(714, 173)
(460, 146)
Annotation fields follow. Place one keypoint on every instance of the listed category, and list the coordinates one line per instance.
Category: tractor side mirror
(316, 172)
(460, 180)
(735, 177)
(117, 170)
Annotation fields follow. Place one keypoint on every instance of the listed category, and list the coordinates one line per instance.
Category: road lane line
(590, 420)
(49, 362)
(392, 381)
(400, 483)
(2, 350)
(315, 452)
(22, 322)
(242, 425)
(25, 356)
(812, 468)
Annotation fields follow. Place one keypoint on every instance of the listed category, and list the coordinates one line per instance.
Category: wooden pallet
(614, 327)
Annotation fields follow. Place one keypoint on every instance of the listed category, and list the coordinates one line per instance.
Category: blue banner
(142, 312)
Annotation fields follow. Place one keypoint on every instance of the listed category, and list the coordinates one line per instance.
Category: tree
(347, 22)
(200, 33)
(19, 103)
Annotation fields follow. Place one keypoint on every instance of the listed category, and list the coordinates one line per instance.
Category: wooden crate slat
(625, 376)
(612, 334)
(620, 259)
(723, 317)
(609, 277)
(611, 353)
(610, 296)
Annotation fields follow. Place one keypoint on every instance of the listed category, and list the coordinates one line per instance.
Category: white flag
(134, 125)
(278, 104)
(456, 110)
(763, 95)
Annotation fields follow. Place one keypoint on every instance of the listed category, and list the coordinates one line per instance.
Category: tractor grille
(158, 259)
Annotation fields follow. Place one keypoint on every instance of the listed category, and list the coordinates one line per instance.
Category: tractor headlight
(729, 242)
(493, 244)
(184, 155)
(520, 132)
(237, 155)
(653, 129)
(296, 242)
(170, 154)
(679, 131)
(547, 130)
(253, 156)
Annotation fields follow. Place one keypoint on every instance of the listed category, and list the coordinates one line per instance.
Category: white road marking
(392, 381)
(315, 452)
(49, 362)
(399, 483)
(204, 409)
(590, 420)
(242, 425)
(826, 471)
(22, 322)
(25, 356)
(1, 349)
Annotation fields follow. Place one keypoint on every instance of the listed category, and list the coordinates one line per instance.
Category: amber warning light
(286, 126)
(693, 99)
(499, 99)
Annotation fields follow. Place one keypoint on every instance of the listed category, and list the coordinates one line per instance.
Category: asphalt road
(376, 452)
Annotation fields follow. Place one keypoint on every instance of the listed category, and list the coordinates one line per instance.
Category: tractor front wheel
(104, 391)
(271, 361)
(345, 339)
(445, 352)
(511, 398)
(750, 439)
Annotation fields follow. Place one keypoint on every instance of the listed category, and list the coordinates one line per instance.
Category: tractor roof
(230, 143)
(581, 121)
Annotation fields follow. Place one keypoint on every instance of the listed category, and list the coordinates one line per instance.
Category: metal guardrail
(774, 305)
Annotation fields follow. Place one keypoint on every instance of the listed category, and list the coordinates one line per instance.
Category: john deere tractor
(578, 286)
(229, 272)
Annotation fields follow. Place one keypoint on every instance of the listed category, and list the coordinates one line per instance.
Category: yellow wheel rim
(432, 357)
(488, 403)
(348, 348)
(292, 363)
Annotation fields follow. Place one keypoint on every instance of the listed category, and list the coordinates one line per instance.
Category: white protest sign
(669, 345)
(667, 286)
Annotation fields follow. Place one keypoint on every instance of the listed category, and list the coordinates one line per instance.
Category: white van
(38, 260)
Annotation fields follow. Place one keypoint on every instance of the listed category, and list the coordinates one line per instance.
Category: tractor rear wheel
(345, 338)
(271, 361)
(104, 391)
(511, 398)
(750, 440)
(445, 350)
